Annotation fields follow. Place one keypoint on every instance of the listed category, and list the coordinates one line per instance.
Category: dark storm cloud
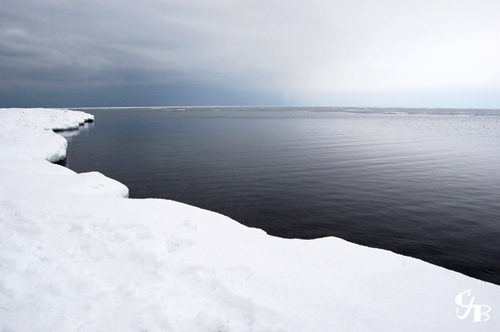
(66, 48)
(107, 52)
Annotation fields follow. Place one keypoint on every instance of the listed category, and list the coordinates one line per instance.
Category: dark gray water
(424, 183)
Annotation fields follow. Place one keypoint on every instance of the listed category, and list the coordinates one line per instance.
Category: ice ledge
(45, 118)
(28, 134)
(76, 257)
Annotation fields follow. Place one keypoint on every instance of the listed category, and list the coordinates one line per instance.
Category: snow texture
(77, 255)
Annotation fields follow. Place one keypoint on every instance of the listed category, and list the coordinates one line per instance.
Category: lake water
(424, 183)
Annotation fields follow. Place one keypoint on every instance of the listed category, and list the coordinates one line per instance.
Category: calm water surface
(424, 183)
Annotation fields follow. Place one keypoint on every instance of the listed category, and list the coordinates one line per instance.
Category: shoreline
(76, 252)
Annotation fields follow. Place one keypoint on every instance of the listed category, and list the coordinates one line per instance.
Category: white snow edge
(75, 255)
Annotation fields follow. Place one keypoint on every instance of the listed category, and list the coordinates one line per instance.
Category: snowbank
(75, 255)
(39, 141)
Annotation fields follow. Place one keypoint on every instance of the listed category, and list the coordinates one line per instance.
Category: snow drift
(77, 255)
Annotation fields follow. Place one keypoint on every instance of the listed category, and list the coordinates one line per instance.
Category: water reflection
(72, 133)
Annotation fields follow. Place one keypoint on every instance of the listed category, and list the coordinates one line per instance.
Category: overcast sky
(410, 53)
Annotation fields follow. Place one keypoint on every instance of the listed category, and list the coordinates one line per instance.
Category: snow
(40, 142)
(77, 255)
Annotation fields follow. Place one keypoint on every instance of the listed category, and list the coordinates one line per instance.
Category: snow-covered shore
(77, 255)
